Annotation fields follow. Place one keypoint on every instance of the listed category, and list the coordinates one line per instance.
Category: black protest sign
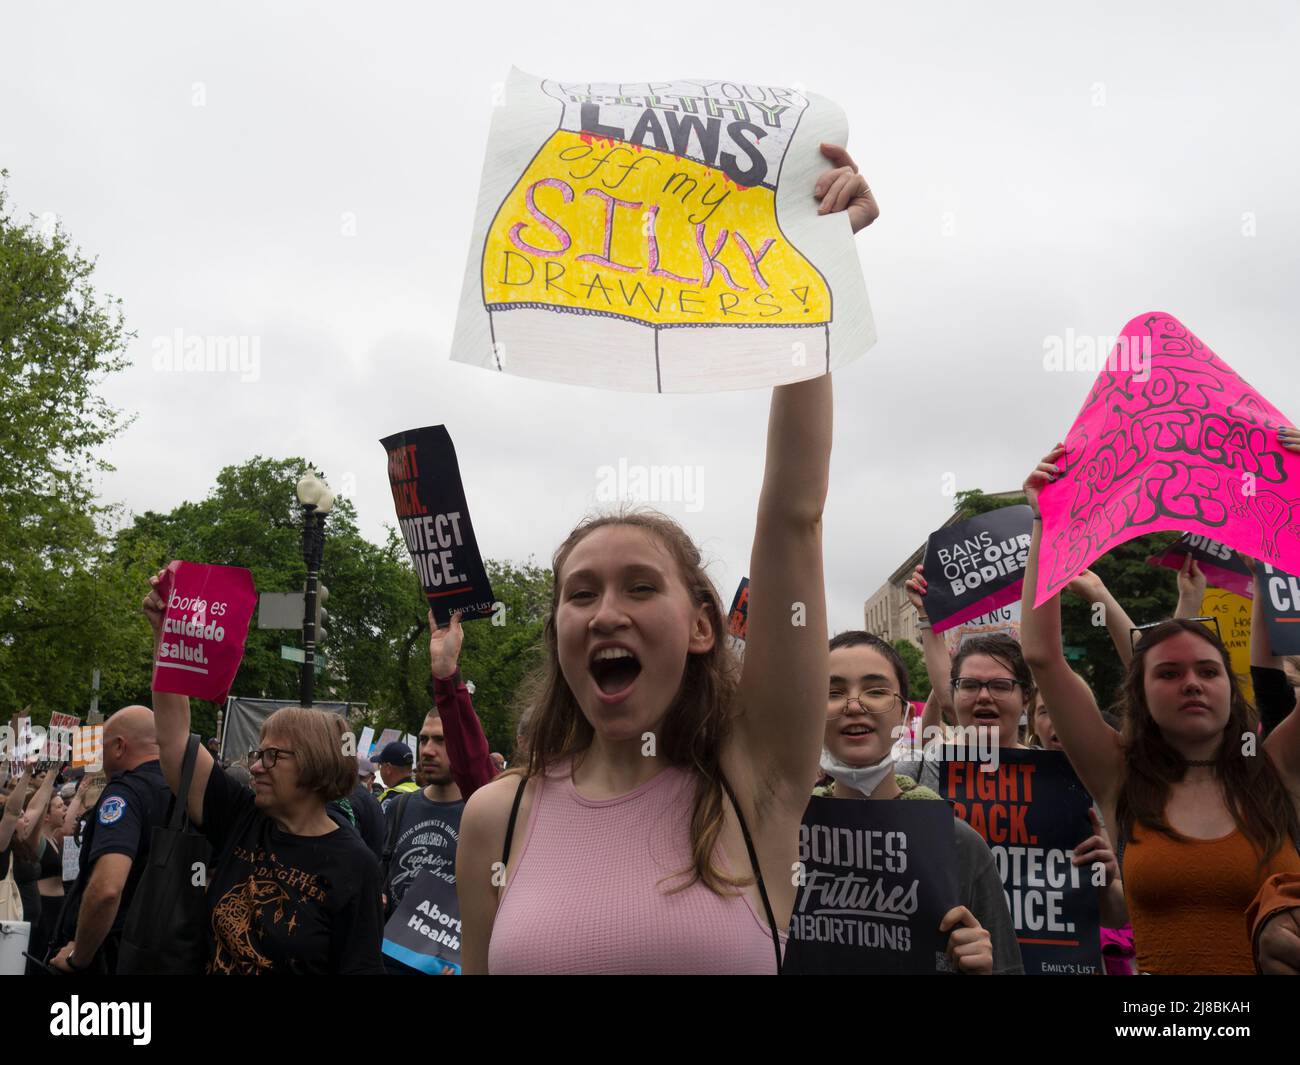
(738, 619)
(1281, 609)
(434, 519)
(877, 879)
(976, 565)
(1032, 812)
(424, 931)
(1222, 566)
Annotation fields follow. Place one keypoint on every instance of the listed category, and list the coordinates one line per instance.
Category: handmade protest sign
(877, 879)
(424, 931)
(434, 519)
(1169, 438)
(976, 565)
(205, 623)
(365, 741)
(1004, 621)
(1281, 610)
(1032, 812)
(63, 736)
(71, 854)
(1222, 566)
(660, 237)
(1233, 614)
(389, 735)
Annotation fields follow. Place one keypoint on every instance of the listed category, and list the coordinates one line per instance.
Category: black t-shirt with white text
(427, 836)
(285, 904)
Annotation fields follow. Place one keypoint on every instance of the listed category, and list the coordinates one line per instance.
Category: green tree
(251, 519)
(59, 339)
(377, 635)
(497, 655)
(918, 680)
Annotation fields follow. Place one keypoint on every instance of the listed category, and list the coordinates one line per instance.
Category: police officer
(394, 765)
(115, 847)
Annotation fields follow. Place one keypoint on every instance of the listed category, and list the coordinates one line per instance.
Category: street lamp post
(317, 499)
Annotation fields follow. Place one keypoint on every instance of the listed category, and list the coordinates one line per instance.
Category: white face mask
(862, 778)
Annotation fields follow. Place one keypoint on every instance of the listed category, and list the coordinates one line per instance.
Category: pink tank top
(588, 892)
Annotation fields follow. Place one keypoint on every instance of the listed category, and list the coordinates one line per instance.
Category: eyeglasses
(996, 686)
(1135, 634)
(268, 755)
(873, 701)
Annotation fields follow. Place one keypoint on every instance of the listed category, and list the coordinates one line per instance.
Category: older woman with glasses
(290, 891)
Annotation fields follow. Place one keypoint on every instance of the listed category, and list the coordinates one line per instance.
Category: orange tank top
(1187, 900)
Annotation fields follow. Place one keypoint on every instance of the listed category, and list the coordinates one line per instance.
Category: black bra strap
(758, 873)
(510, 825)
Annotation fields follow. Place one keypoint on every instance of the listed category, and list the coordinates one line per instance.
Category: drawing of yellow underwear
(653, 207)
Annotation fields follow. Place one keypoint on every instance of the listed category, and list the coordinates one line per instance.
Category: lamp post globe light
(316, 499)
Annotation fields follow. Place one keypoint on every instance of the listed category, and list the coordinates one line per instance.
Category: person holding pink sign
(291, 891)
(1203, 817)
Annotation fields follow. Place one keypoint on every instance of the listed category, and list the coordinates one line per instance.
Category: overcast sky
(1040, 169)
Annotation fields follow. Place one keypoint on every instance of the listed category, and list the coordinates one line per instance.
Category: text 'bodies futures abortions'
(660, 236)
(1190, 447)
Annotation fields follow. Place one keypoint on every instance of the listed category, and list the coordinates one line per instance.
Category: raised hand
(1289, 438)
(1191, 581)
(444, 646)
(153, 606)
(1044, 473)
(843, 188)
(1087, 586)
(916, 588)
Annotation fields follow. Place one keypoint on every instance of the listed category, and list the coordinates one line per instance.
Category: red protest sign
(205, 624)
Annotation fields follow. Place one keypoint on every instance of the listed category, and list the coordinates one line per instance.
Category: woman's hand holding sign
(154, 608)
(1044, 473)
(970, 947)
(938, 662)
(1191, 589)
(843, 188)
(1097, 850)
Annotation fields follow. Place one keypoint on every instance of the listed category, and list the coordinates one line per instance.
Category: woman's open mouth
(989, 716)
(614, 669)
(857, 731)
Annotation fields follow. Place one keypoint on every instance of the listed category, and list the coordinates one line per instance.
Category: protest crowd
(672, 804)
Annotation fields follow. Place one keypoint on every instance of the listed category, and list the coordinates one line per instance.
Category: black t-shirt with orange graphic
(282, 904)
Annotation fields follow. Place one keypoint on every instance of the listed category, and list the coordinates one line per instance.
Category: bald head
(129, 739)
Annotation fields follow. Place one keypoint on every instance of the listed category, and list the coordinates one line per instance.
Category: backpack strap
(181, 801)
(390, 840)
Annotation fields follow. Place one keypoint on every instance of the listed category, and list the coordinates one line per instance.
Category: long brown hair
(1255, 794)
(697, 722)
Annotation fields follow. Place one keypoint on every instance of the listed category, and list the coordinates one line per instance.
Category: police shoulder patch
(111, 809)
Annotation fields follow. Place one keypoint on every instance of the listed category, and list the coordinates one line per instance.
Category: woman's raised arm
(1092, 746)
(172, 721)
(783, 685)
